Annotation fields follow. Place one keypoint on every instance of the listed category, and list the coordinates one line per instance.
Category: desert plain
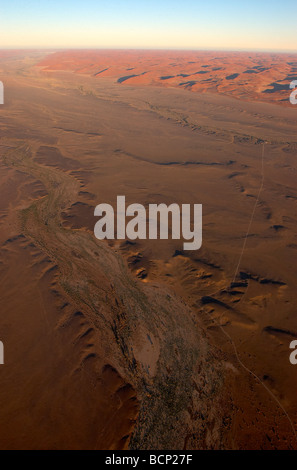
(139, 344)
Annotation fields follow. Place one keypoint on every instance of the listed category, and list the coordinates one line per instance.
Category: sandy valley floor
(116, 345)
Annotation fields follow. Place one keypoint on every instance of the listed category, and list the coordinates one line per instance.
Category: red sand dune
(112, 345)
(245, 75)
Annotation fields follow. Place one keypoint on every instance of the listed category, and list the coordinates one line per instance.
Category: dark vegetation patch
(233, 76)
(276, 87)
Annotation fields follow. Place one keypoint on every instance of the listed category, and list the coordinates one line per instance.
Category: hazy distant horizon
(166, 25)
(173, 49)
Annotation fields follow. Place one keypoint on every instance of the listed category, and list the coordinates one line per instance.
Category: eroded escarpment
(155, 381)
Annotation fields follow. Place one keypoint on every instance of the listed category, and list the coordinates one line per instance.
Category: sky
(149, 24)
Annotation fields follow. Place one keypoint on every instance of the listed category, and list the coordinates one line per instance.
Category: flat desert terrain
(141, 345)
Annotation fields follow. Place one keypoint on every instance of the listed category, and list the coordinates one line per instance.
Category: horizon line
(126, 48)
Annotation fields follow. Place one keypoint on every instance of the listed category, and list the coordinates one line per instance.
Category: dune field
(140, 344)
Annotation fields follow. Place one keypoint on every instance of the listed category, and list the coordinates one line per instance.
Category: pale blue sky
(190, 24)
